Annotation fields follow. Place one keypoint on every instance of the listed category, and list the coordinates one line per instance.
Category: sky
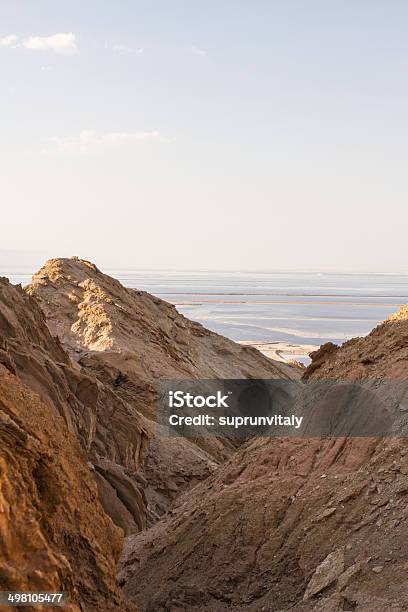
(199, 134)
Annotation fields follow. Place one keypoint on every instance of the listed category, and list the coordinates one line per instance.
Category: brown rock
(107, 427)
(326, 573)
(383, 354)
(54, 535)
(246, 538)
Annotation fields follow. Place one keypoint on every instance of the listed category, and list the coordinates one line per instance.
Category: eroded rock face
(284, 524)
(107, 427)
(54, 534)
(382, 354)
(129, 340)
(123, 342)
(289, 524)
(256, 533)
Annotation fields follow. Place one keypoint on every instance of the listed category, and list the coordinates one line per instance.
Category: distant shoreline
(284, 302)
(283, 351)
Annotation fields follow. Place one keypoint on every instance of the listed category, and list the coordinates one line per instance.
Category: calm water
(262, 306)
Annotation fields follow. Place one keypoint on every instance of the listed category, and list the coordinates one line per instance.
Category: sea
(271, 307)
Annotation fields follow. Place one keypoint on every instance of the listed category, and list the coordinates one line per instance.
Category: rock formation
(273, 524)
(133, 338)
(54, 534)
(253, 536)
(79, 359)
(129, 340)
(299, 524)
(109, 429)
(382, 354)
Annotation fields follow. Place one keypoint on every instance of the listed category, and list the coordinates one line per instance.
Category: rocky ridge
(129, 340)
(290, 524)
(382, 354)
(136, 335)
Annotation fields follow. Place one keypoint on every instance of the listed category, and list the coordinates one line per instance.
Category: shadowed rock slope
(290, 524)
(54, 535)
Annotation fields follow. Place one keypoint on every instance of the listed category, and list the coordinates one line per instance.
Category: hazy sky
(206, 134)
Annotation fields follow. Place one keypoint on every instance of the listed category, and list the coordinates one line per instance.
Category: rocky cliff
(54, 534)
(109, 429)
(273, 524)
(79, 359)
(290, 524)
